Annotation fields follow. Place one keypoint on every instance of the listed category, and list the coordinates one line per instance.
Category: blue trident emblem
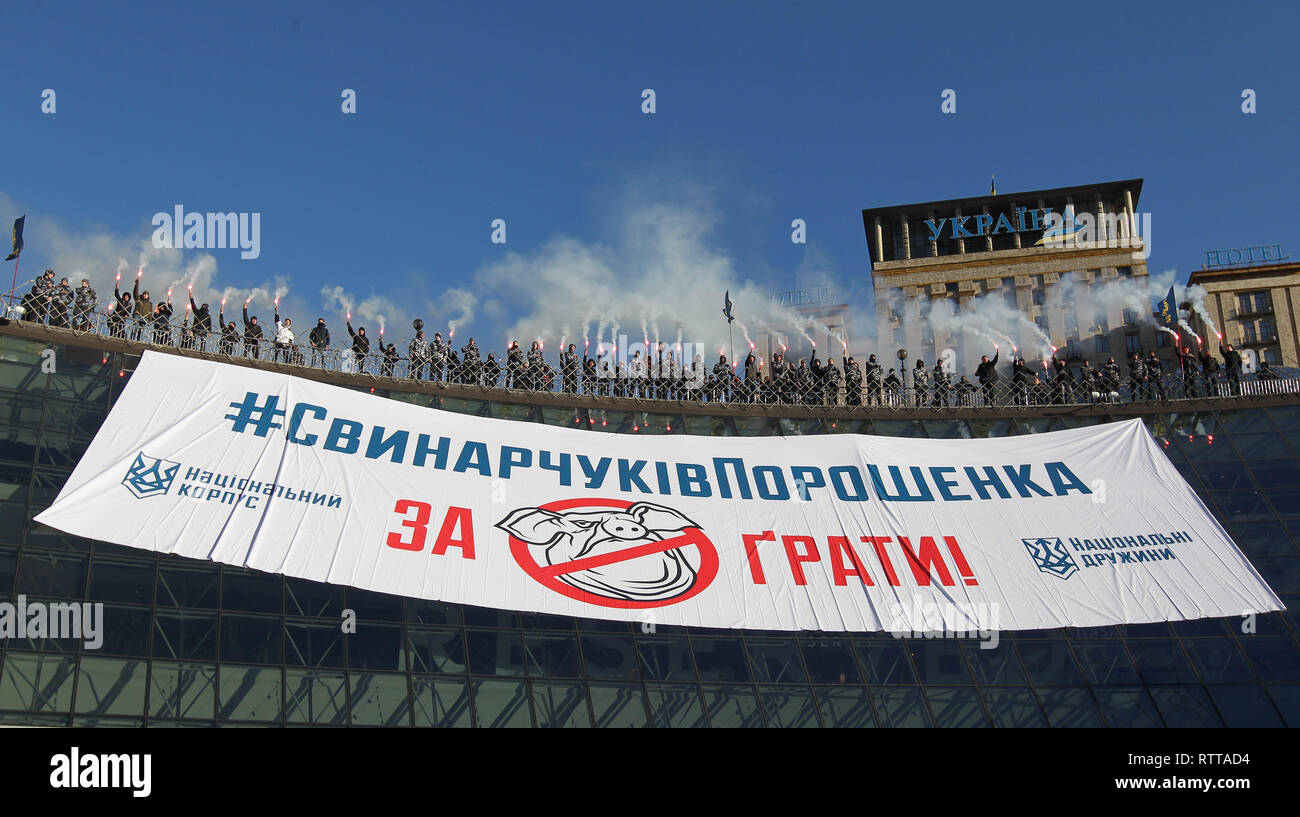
(149, 476)
(1051, 556)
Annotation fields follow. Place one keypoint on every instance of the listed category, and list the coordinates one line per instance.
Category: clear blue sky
(531, 112)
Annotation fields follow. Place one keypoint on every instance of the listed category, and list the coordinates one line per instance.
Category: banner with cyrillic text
(1085, 527)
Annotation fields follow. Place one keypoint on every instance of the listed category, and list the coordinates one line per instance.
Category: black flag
(726, 306)
(18, 237)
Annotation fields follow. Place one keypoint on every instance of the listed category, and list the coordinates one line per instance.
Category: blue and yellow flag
(1167, 311)
(726, 306)
(18, 237)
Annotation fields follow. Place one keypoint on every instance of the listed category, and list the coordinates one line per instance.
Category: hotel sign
(1243, 255)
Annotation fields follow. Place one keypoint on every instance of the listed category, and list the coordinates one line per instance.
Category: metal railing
(800, 388)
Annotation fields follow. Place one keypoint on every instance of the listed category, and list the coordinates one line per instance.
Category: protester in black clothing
(1062, 392)
(1232, 365)
(143, 309)
(588, 373)
(470, 361)
(319, 340)
(1137, 375)
(721, 379)
(389, 357)
(1209, 370)
(491, 370)
(162, 328)
(536, 365)
(229, 334)
(1265, 373)
(360, 344)
(1155, 378)
(892, 386)
(454, 369)
(568, 369)
(965, 391)
(1021, 376)
(201, 322)
(1038, 394)
(252, 334)
(1189, 365)
(987, 374)
(852, 382)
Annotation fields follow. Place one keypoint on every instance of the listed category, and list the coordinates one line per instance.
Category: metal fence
(696, 385)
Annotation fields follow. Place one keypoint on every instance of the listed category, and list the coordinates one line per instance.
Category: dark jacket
(987, 372)
(360, 343)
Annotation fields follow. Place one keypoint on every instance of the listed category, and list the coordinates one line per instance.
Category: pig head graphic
(565, 536)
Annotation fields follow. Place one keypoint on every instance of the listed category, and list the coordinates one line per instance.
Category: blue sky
(531, 112)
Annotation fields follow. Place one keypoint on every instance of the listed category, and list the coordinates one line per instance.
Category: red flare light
(603, 423)
(1209, 439)
(670, 428)
(634, 428)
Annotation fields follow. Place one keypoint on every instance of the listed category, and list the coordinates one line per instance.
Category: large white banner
(1076, 528)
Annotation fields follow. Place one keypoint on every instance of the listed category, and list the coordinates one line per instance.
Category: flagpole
(14, 288)
(731, 342)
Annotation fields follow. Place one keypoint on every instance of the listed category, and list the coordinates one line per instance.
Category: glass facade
(191, 643)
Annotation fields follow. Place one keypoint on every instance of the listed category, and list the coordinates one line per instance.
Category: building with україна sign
(1045, 254)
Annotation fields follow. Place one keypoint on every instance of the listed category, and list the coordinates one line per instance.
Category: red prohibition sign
(546, 575)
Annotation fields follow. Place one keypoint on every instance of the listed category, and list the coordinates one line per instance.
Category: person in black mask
(319, 340)
(252, 335)
(229, 334)
(388, 357)
(360, 344)
(569, 369)
(491, 370)
(875, 379)
(201, 321)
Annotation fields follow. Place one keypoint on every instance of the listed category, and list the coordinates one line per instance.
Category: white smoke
(1196, 295)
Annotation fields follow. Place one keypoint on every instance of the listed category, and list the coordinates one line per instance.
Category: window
(1248, 333)
(1009, 292)
(1130, 316)
(1072, 348)
(952, 289)
(1267, 330)
(1162, 340)
(1041, 322)
(1103, 344)
(1125, 272)
(1272, 358)
(1099, 320)
(1132, 343)
(1243, 304)
(1262, 302)
(1040, 296)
